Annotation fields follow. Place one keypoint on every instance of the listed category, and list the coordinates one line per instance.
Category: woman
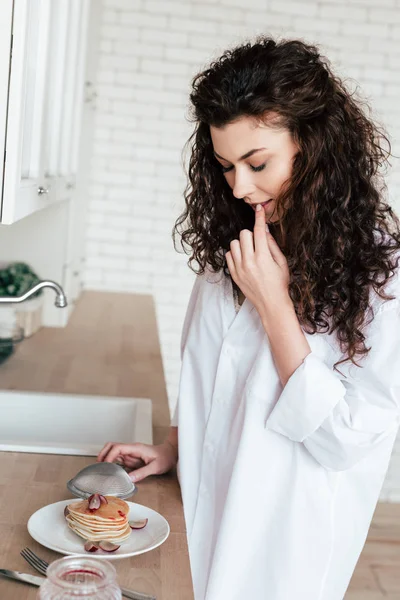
(289, 396)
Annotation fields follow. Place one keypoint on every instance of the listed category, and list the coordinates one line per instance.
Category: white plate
(48, 527)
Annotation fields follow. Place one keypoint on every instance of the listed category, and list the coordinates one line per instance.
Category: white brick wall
(149, 51)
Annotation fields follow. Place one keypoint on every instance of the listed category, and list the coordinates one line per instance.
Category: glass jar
(77, 577)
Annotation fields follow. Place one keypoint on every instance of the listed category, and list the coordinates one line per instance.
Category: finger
(104, 451)
(236, 252)
(120, 450)
(130, 462)
(246, 244)
(144, 472)
(260, 235)
(276, 252)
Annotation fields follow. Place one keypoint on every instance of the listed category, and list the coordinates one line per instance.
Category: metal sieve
(108, 479)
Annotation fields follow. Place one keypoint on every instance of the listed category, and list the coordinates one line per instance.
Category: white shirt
(279, 485)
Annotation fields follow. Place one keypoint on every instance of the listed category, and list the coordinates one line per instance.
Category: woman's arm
(173, 433)
(288, 343)
(341, 418)
(260, 270)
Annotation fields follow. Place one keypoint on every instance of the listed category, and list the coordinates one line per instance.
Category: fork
(41, 566)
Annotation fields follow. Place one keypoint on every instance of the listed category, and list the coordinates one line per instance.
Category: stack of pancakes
(107, 523)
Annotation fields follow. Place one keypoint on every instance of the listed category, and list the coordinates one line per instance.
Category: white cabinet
(42, 59)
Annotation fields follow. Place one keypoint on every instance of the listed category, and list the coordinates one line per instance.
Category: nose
(243, 185)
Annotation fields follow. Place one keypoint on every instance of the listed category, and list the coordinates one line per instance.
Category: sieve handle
(136, 595)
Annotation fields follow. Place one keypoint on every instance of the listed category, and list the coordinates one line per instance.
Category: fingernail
(133, 477)
(258, 207)
(266, 228)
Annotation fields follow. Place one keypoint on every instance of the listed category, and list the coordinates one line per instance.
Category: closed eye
(255, 169)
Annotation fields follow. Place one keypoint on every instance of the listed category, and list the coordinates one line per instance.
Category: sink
(69, 423)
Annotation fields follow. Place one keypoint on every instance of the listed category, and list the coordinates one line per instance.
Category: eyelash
(255, 169)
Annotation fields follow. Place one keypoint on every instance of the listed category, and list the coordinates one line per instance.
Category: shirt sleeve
(186, 324)
(340, 418)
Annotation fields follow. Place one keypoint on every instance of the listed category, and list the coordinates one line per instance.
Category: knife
(35, 580)
(25, 577)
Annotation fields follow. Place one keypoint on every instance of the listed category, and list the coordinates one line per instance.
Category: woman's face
(255, 159)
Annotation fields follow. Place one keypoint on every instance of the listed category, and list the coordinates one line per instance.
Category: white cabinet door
(43, 107)
(65, 94)
(25, 188)
(6, 12)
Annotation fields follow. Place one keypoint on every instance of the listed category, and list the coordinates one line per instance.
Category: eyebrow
(247, 155)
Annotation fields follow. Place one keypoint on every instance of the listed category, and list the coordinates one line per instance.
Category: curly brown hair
(343, 237)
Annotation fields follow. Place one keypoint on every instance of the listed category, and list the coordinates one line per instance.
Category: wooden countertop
(109, 347)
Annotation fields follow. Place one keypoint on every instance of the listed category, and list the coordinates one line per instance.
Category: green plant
(16, 279)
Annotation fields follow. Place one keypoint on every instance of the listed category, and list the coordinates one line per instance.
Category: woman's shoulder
(207, 284)
(209, 277)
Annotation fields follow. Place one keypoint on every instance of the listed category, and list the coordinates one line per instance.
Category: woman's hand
(144, 459)
(258, 266)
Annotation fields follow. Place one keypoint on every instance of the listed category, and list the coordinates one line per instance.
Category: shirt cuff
(308, 398)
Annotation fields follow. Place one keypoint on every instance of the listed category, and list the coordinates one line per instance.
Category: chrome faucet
(60, 302)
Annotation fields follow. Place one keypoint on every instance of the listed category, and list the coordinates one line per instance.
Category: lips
(263, 204)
